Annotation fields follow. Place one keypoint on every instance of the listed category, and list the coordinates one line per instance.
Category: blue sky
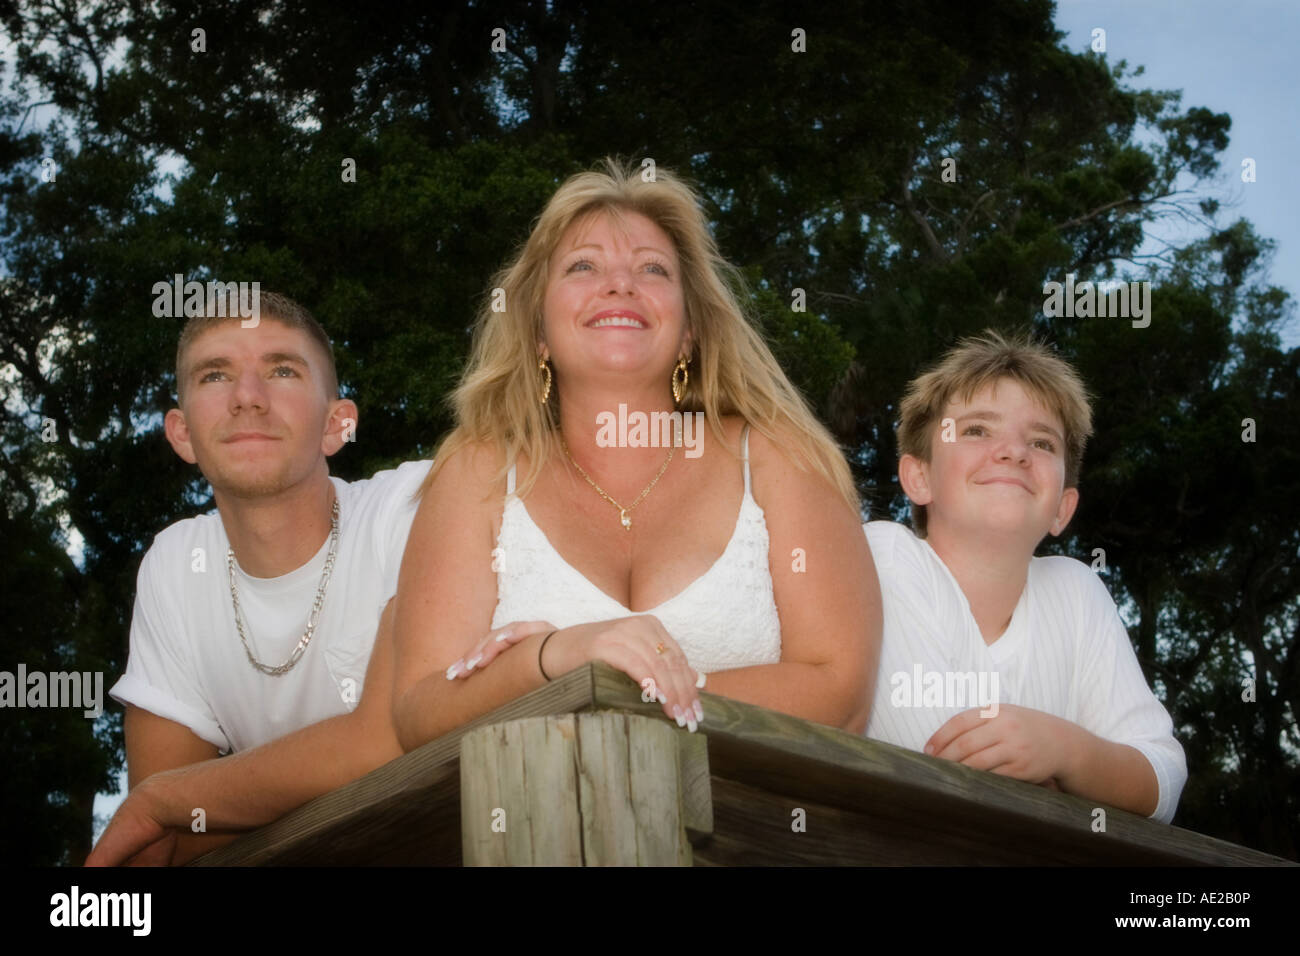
(1239, 58)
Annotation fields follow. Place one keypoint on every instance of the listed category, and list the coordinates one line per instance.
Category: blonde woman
(547, 537)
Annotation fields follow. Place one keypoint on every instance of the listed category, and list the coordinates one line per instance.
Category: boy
(259, 621)
(991, 656)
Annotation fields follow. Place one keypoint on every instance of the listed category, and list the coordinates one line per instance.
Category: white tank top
(725, 618)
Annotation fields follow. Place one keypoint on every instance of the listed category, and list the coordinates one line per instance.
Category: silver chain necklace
(315, 608)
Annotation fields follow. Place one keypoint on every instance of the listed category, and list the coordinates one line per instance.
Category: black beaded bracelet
(539, 655)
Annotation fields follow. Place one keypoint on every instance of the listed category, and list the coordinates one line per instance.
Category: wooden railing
(583, 772)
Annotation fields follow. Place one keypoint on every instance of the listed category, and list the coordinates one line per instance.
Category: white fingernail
(472, 662)
(503, 636)
(663, 698)
(681, 718)
(699, 681)
(699, 711)
(691, 725)
(453, 670)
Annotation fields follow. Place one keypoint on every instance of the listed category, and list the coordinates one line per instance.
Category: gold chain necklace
(624, 514)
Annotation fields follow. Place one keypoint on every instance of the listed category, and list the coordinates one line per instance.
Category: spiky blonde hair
(984, 360)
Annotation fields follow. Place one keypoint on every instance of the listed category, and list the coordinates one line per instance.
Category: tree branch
(931, 240)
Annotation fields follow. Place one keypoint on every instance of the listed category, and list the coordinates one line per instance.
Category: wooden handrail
(760, 787)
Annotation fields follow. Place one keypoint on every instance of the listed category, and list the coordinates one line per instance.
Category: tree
(918, 170)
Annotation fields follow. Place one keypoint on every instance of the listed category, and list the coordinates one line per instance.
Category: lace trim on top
(725, 618)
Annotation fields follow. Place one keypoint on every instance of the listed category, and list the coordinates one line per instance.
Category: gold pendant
(623, 517)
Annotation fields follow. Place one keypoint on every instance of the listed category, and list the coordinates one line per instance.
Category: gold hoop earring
(679, 388)
(546, 388)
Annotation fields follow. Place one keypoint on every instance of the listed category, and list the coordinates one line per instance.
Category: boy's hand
(1019, 742)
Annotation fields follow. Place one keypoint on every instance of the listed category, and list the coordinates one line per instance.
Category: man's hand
(136, 835)
(1019, 742)
(162, 852)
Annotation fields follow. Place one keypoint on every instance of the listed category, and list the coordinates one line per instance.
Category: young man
(259, 621)
(991, 656)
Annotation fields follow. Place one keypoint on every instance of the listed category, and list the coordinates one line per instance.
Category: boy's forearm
(1111, 773)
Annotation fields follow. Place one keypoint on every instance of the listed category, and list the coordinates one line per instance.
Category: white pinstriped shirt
(1065, 652)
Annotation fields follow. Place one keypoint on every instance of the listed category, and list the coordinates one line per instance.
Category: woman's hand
(640, 647)
(493, 644)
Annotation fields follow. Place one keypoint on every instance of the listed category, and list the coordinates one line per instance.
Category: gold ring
(659, 648)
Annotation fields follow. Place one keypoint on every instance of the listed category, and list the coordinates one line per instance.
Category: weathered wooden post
(587, 789)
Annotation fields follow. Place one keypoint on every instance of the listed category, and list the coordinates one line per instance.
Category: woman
(664, 564)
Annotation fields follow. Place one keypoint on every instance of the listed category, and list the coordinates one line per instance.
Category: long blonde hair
(734, 372)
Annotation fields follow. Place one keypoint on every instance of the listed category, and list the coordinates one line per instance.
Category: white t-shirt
(186, 661)
(1066, 652)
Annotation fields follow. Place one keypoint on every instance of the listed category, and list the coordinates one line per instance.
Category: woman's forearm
(435, 705)
(811, 691)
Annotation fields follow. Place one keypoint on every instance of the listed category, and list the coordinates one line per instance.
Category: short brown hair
(984, 360)
(271, 305)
